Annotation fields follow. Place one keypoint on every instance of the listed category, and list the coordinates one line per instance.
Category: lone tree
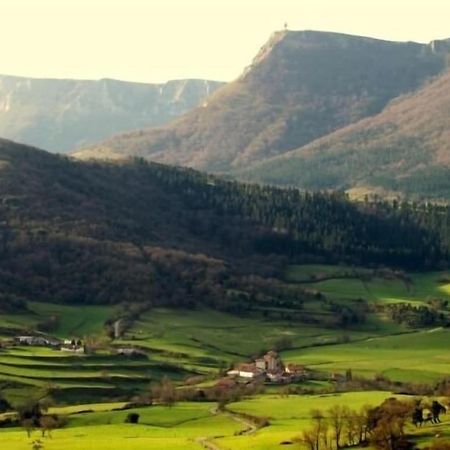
(336, 418)
(316, 437)
(167, 393)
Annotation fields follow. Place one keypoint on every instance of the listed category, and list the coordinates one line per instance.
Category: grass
(288, 416)
(183, 424)
(160, 427)
(377, 289)
(203, 341)
(101, 376)
(310, 272)
(418, 357)
(73, 320)
(182, 343)
(277, 407)
(206, 340)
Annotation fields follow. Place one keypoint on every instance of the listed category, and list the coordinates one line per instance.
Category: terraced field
(181, 343)
(78, 377)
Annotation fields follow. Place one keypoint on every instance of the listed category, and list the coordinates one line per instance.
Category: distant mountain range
(61, 115)
(317, 110)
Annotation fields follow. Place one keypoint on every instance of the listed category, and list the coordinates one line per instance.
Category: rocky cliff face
(61, 115)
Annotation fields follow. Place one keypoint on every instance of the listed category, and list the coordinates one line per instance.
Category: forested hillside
(90, 232)
(404, 150)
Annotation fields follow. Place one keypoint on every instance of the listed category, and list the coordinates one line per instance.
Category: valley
(251, 265)
(195, 347)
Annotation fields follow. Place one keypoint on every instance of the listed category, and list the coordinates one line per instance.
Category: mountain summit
(302, 85)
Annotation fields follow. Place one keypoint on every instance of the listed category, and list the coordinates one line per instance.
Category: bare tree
(336, 418)
(319, 425)
(308, 437)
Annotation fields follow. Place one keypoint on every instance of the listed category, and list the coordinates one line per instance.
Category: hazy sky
(157, 40)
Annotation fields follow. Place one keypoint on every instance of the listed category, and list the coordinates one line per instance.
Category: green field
(176, 427)
(343, 282)
(79, 377)
(417, 357)
(72, 321)
(204, 342)
(288, 416)
(182, 343)
(186, 425)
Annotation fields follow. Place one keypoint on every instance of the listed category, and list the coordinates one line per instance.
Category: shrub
(132, 418)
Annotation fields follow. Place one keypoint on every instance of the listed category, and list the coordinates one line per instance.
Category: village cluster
(74, 345)
(268, 368)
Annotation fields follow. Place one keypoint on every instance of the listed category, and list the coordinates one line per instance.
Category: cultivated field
(203, 343)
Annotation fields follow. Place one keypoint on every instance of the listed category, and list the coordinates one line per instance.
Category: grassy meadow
(189, 425)
(418, 357)
(203, 343)
(350, 283)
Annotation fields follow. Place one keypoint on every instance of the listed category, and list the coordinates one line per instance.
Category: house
(248, 371)
(270, 362)
(38, 341)
(73, 349)
(73, 346)
(275, 377)
(130, 351)
(295, 369)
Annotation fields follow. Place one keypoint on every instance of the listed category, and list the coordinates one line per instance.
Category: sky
(159, 40)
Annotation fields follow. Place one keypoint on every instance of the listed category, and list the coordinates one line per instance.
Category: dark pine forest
(97, 233)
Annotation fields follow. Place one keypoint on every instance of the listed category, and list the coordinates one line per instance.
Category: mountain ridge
(302, 85)
(62, 114)
(405, 143)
